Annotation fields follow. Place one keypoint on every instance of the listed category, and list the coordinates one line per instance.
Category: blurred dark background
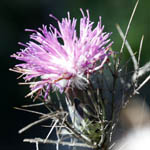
(17, 15)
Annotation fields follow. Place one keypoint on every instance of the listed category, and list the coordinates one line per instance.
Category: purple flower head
(59, 58)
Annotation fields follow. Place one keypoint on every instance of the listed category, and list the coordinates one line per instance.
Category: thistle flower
(59, 58)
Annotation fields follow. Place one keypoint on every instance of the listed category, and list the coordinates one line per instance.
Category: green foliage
(93, 130)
